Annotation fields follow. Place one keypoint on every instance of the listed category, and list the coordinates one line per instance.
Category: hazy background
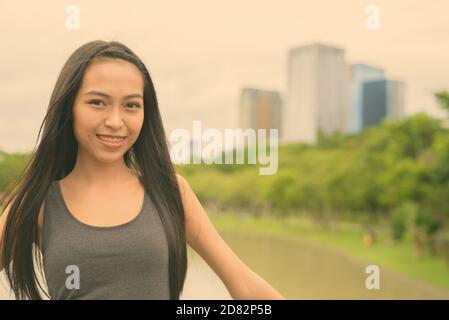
(376, 197)
(201, 53)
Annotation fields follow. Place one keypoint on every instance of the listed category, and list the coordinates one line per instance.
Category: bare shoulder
(186, 191)
(181, 182)
(4, 215)
(188, 197)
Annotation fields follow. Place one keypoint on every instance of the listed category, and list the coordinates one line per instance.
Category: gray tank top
(81, 261)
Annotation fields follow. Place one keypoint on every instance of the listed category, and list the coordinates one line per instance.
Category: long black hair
(55, 157)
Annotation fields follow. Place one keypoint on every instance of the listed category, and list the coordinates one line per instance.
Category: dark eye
(133, 105)
(95, 101)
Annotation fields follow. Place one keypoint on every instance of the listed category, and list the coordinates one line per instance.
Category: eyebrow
(98, 93)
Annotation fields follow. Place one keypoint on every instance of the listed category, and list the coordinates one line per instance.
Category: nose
(114, 119)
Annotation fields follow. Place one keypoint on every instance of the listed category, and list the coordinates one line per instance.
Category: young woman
(100, 197)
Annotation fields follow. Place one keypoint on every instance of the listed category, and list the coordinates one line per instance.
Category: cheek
(84, 130)
(83, 135)
(135, 127)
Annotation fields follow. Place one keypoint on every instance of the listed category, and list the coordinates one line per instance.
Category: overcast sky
(201, 53)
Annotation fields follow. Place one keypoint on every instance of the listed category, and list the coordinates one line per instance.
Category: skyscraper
(382, 99)
(260, 109)
(316, 93)
(358, 75)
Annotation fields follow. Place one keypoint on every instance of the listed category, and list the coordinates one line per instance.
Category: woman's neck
(100, 174)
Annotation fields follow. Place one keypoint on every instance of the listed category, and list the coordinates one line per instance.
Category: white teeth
(110, 139)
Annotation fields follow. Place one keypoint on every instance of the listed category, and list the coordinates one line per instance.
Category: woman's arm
(241, 281)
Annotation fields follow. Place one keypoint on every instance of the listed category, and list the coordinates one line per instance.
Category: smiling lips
(110, 136)
(110, 140)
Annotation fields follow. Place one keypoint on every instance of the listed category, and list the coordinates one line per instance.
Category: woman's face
(108, 103)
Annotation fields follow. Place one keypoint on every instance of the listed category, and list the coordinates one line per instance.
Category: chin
(113, 157)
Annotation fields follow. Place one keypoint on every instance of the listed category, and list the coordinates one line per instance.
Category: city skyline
(317, 92)
(325, 94)
(199, 71)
